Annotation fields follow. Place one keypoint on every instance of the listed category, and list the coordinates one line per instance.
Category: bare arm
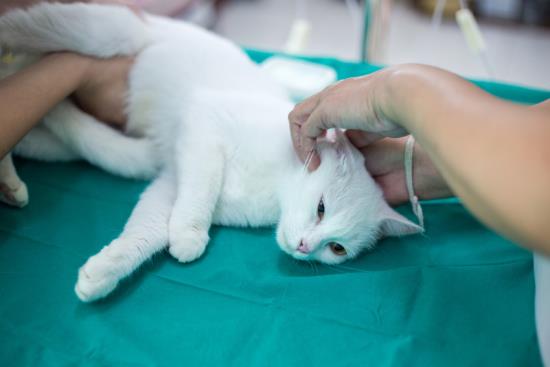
(493, 154)
(28, 95)
(11, 4)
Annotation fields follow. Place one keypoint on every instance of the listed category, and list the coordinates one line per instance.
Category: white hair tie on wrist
(408, 161)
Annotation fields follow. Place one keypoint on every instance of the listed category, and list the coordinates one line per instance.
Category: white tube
(471, 31)
(298, 37)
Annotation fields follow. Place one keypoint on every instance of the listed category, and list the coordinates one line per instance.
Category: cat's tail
(41, 144)
(90, 29)
(101, 145)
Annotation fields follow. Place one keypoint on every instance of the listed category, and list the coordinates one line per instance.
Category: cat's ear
(340, 142)
(394, 224)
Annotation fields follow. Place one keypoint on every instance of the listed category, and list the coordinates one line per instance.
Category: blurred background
(516, 32)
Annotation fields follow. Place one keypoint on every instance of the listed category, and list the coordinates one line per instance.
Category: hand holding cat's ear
(354, 103)
(304, 146)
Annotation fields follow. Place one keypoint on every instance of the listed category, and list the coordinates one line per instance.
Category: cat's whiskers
(312, 266)
(346, 269)
(309, 157)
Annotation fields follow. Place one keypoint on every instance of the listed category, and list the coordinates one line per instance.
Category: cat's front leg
(145, 234)
(200, 165)
(90, 29)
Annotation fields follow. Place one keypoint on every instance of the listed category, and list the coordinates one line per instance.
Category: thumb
(317, 123)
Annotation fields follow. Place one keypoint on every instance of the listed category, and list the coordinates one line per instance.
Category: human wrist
(427, 181)
(405, 87)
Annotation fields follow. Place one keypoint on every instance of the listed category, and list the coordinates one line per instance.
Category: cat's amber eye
(337, 249)
(321, 209)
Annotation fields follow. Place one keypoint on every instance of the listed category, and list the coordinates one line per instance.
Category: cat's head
(337, 211)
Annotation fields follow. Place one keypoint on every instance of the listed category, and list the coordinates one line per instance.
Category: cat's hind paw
(186, 244)
(96, 279)
(18, 197)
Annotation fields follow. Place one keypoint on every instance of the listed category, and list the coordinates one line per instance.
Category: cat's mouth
(300, 255)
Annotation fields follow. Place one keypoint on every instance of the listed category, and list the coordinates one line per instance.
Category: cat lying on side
(215, 127)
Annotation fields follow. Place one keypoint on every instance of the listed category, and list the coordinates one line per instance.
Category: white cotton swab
(309, 157)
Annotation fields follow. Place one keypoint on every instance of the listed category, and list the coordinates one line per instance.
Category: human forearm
(493, 154)
(28, 95)
(12, 4)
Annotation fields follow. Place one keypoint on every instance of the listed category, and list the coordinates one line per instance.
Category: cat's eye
(337, 249)
(321, 209)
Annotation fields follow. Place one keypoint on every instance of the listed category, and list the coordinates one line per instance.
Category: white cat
(217, 128)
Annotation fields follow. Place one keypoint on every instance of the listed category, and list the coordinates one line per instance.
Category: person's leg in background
(542, 305)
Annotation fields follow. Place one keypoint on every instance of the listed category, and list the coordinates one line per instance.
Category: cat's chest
(249, 195)
(256, 164)
(247, 205)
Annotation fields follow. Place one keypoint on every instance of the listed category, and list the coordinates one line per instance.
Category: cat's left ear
(338, 139)
(394, 224)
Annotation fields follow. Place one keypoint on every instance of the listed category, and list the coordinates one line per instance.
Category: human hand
(356, 103)
(128, 3)
(131, 4)
(103, 89)
(384, 161)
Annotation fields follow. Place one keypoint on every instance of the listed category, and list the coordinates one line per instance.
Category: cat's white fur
(217, 128)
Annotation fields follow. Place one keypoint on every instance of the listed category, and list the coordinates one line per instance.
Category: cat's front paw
(187, 244)
(96, 278)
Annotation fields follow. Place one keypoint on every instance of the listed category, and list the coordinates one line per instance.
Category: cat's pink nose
(303, 248)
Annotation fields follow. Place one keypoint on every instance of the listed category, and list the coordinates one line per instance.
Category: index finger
(296, 119)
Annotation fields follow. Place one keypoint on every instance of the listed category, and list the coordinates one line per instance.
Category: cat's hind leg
(13, 191)
(200, 165)
(91, 29)
(40, 144)
(145, 233)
